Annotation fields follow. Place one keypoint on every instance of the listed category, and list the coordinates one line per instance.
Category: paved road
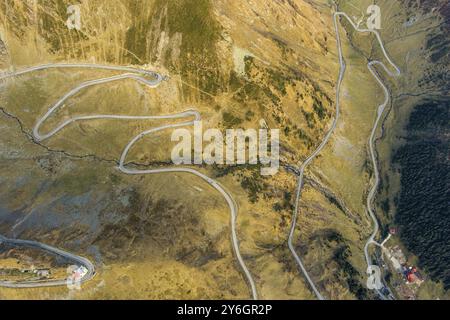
(327, 137)
(214, 184)
(47, 283)
(15, 73)
(380, 111)
(152, 83)
(309, 160)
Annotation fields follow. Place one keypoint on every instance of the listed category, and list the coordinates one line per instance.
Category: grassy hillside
(237, 63)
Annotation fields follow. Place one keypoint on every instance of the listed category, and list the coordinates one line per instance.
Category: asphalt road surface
(327, 137)
(142, 77)
(47, 283)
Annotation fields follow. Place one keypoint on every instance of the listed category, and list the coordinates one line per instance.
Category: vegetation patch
(230, 121)
(422, 205)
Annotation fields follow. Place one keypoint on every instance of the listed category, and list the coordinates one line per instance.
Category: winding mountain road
(327, 137)
(47, 283)
(141, 76)
(132, 73)
(380, 111)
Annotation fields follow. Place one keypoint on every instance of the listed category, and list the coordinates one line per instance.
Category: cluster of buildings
(412, 276)
(40, 273)
(409, 279)
(399, 262)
